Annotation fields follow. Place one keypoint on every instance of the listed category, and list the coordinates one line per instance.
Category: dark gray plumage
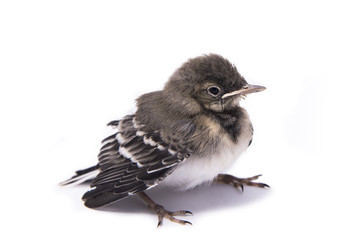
(182, 136)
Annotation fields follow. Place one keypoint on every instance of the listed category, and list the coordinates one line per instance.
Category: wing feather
(130, 161)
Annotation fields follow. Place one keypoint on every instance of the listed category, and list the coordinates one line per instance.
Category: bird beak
(245, 90)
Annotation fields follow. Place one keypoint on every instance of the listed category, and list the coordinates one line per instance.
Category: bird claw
(162, 213)
(240, 182)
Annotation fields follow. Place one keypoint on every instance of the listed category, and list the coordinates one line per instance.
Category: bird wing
(130, 161)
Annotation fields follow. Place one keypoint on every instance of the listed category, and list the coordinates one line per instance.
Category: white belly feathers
(197, 170)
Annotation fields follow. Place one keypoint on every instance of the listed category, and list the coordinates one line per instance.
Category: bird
(182, 136)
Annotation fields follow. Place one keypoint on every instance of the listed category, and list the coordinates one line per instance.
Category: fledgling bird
(182, 136)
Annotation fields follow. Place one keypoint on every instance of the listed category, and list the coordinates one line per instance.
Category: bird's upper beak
(245, 90)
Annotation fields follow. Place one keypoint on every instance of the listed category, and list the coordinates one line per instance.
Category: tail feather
(82, 176)
(103, 199)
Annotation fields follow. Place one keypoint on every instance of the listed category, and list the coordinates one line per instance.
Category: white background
(69, 67)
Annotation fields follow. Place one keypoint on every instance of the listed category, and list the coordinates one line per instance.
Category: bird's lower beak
(245, 90)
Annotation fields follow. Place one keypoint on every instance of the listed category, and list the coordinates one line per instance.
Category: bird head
(208, 82)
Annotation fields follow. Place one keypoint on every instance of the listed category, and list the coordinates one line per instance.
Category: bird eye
(213, 90)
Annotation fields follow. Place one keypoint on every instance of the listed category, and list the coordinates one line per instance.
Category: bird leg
(240, 182)
(162, 212)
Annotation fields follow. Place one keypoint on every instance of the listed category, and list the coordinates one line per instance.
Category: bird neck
(230, 120)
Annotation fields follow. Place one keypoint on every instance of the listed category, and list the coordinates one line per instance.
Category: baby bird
(182, 136)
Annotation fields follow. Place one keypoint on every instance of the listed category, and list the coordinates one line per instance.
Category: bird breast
(197, 170)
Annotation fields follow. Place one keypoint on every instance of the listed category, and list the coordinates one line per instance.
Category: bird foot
(163, 213)
(240, 182)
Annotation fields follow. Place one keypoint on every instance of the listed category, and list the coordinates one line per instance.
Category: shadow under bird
(182, 136)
